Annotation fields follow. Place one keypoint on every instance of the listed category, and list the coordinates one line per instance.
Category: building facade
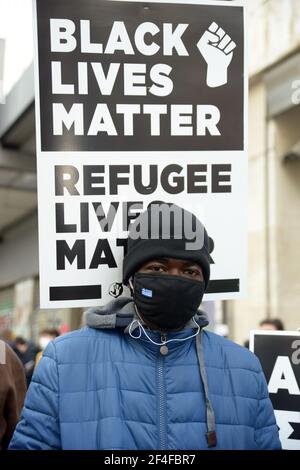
(274, 169)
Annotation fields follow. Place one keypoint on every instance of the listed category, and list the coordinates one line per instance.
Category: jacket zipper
(162, 399)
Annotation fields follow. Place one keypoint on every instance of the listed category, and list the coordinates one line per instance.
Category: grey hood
(120, 312)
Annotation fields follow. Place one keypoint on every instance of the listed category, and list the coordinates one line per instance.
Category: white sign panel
(279, 354)
(137, 102)
(2, 51)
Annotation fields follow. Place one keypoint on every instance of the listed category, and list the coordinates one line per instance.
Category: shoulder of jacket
(83, 334)
(236, 356)
(74, 344)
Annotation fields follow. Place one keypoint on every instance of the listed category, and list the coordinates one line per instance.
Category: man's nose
(174, 272)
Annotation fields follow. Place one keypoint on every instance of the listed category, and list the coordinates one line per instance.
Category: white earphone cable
(142, 329)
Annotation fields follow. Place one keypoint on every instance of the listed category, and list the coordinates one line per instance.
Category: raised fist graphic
(216, 48)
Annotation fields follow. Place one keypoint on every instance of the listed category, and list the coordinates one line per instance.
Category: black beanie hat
(157, 234)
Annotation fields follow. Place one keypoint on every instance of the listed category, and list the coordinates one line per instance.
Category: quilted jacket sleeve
(38, 428)
(266, 430)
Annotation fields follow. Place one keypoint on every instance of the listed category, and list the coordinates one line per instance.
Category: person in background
(271, 324)
(12, 392)
(7, 336)
(64, 329)
(26, 352)
(47, 335)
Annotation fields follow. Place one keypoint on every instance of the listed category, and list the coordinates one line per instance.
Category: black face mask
(167, 302)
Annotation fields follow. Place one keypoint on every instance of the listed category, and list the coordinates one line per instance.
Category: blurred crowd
(30, 353)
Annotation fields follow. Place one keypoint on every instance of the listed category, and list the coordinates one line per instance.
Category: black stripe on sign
(75, 292)
(223, 285)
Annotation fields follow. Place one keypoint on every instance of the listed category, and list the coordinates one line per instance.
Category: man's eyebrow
(192, 263)
(158, 260)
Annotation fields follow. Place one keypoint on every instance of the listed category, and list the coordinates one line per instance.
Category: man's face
(268, 326)
(173, 267)
(22, 347)
(45, 340)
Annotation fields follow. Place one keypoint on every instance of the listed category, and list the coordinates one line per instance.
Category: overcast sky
(16, 29)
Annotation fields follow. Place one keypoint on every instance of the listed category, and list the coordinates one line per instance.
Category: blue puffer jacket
(99, 388)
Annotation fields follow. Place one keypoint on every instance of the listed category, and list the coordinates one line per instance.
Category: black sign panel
(279, 354)
(268, 348)
(187, 61)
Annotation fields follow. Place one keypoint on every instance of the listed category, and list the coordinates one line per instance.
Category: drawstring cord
(211, 435)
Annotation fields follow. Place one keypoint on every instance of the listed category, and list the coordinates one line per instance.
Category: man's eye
(192, 272)
(156, 269)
